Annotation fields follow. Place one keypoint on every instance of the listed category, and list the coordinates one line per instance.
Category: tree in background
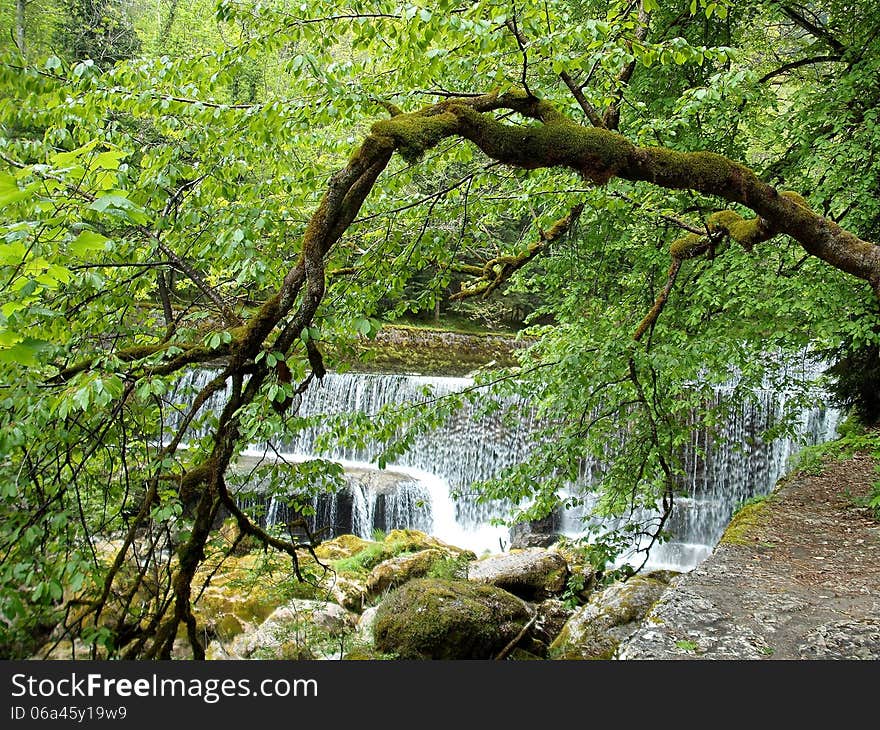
(688, 189)
(99, 30)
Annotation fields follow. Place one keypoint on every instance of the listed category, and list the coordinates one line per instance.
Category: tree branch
(611, 117)
(498, 270)
(785, 68)
(818, 32)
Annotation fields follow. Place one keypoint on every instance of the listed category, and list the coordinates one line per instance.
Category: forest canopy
(660, 195)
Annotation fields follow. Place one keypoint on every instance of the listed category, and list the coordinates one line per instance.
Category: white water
(471, 448)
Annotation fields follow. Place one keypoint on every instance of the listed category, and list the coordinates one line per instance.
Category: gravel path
(801, 582)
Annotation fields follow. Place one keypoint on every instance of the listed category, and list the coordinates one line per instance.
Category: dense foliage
(161, 177)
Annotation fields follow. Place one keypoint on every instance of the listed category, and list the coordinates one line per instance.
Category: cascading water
(417, 489)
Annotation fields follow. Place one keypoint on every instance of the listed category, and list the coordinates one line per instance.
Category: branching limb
(498, 270)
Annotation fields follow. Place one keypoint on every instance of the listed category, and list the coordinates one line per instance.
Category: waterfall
(426, 488)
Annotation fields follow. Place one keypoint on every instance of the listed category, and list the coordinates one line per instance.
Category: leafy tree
(689, 188)
(99, 30)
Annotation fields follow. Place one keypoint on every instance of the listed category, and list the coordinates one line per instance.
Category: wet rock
(348, 592)
(535, 533)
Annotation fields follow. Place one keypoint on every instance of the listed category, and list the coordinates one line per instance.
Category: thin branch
(523, 48)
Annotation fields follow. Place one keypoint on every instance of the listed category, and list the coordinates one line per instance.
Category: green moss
(741, 529)
(597, 154)
(342, 546)
(746, 232)
(396, 542)
(704, 171)
(688, 246)
(414, 134)
(796, 198)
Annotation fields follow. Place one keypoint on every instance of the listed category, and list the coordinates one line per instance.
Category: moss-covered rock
(398, 570)
(745, 522)
(429, 618)
(348, 592)
(396, 542)
(597, 629)
(343, 546)
(300, 629)
(244, 590)
(531, 574)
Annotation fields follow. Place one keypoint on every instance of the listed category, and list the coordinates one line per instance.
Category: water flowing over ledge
(417, 490)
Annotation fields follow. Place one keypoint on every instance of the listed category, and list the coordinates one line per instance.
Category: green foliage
(855, 381)
(450, 568)
(687, 645)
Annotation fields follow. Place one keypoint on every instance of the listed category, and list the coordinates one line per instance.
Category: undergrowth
(854, 438)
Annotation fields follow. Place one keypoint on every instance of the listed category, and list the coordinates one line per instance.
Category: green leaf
(87, 242)
(27, 352)
(362, 326)
(65, 159)
(12, 254)
(10, 192)
(116, 203)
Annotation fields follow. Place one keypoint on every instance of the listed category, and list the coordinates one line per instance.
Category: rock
(398, 570)
(397, 542)
(340, 547)
(596, 630)
(535, 533)
(550, 618)
(430, 618)
(244, 590)
(348, 592)
(411, 541)
(530, 574)
(301, 629)
(365, 625)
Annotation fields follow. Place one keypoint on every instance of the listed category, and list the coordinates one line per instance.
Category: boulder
(365, 625)
(340, 547)
(402, 568)
(300, 629)
(411, 541)
(348, 592)
(596, 630)
(532, 574)
(430, 618)
(535, 533)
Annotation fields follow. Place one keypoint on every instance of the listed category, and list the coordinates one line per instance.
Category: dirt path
(800, 579)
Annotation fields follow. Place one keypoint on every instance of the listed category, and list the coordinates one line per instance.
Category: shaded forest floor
(797, 576)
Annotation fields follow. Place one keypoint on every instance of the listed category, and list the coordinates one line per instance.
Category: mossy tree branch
(499, 269)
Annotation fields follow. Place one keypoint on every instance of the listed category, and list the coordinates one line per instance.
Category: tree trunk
(20, 6)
